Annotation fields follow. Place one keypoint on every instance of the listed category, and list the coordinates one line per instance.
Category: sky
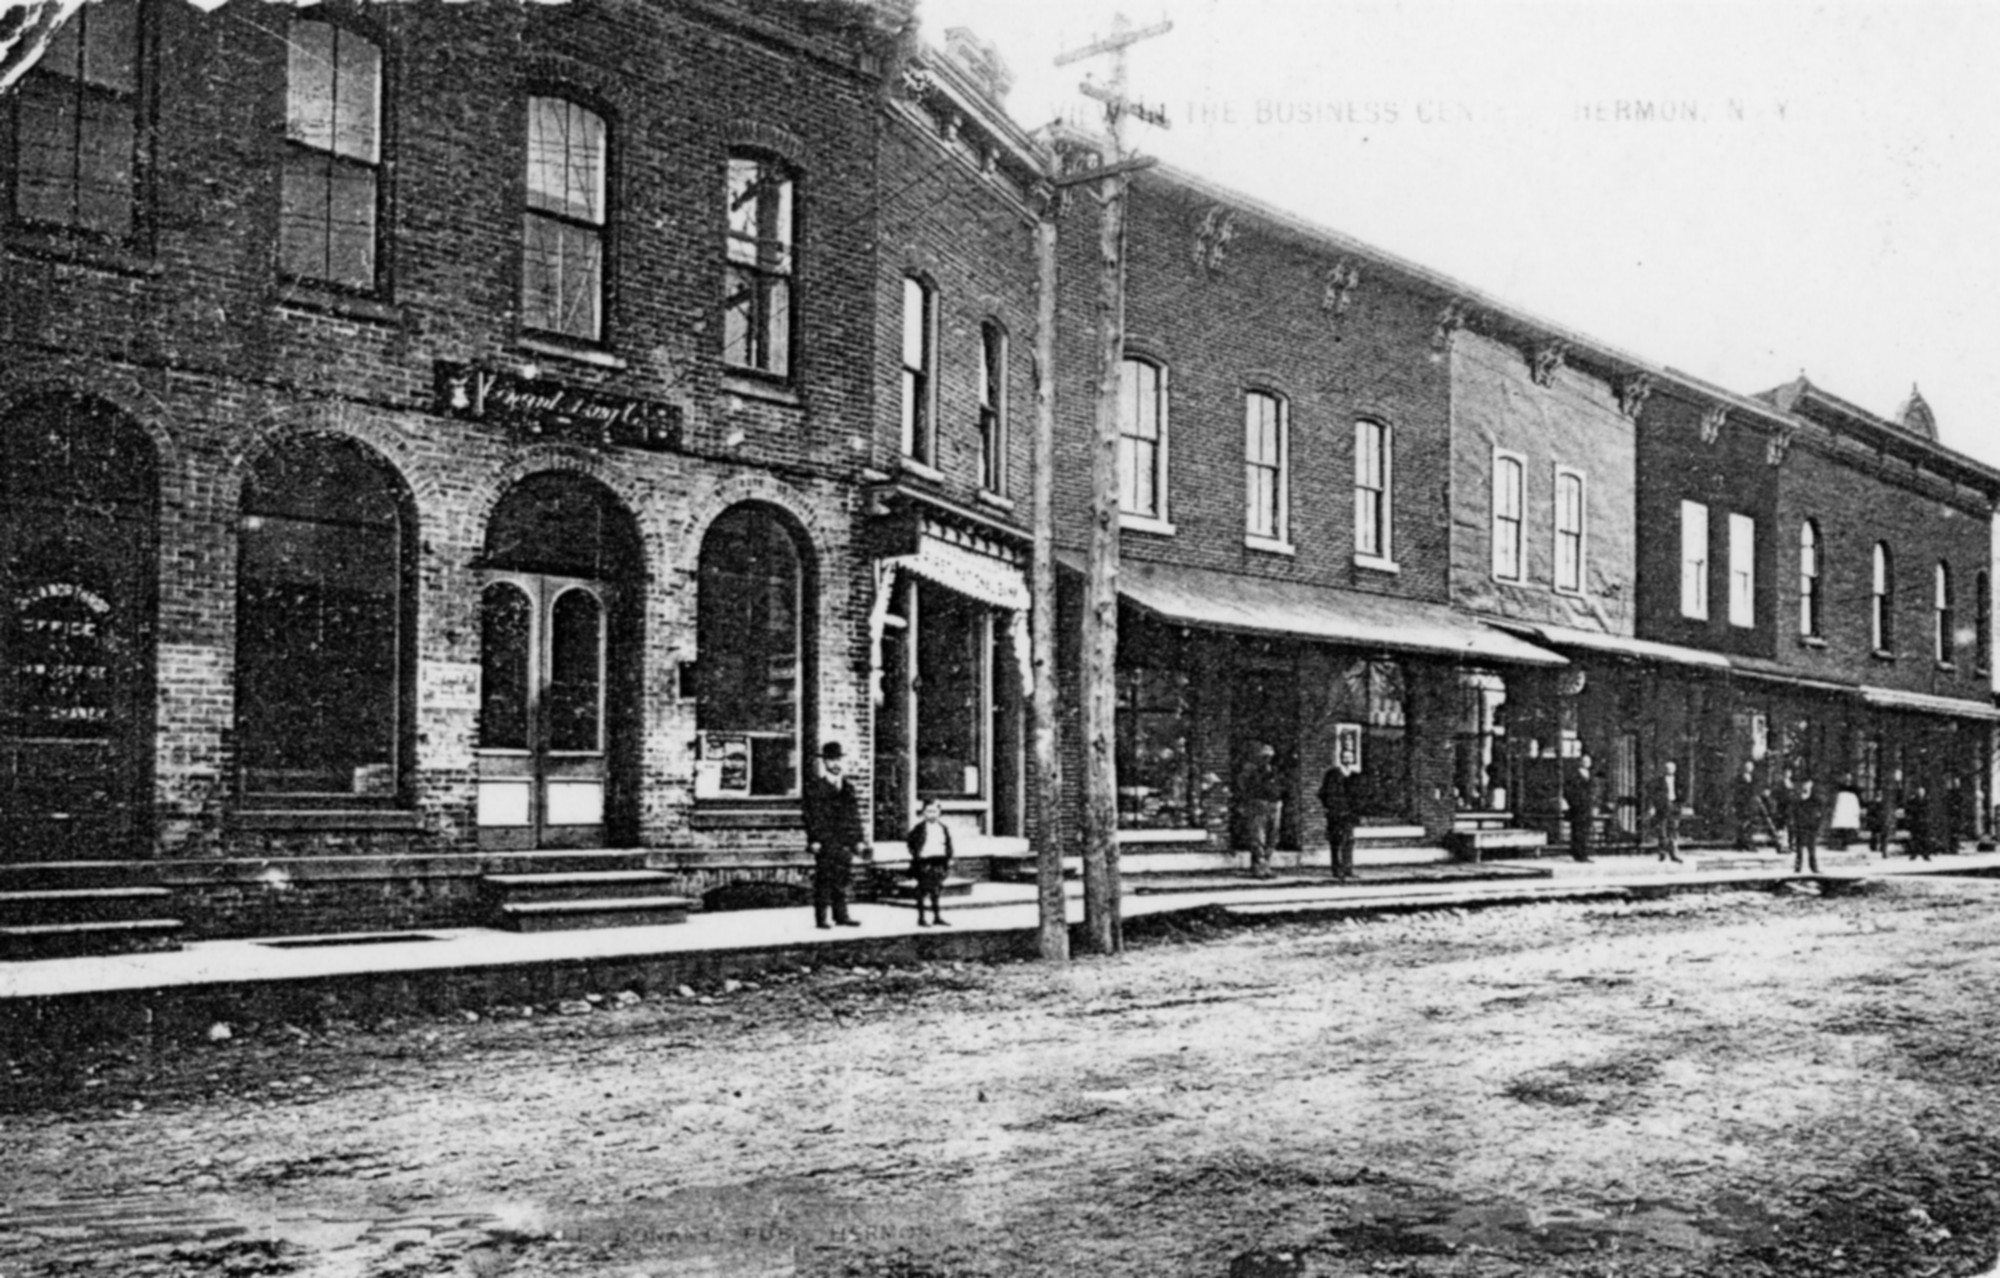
(1742, 191)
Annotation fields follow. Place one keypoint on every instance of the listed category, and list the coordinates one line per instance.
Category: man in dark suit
(1746, 807)
(834, 835)
(1580, 801)
(1664, 799)
(1338, 798)
(1809, 816)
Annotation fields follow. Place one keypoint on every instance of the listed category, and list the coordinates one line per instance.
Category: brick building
(430, 436)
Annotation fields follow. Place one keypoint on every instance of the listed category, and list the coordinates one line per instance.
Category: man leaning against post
(833, 836)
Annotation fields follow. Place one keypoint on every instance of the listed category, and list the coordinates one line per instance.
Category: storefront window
(748, 650)
(320, 624)
(952, 643)
(1156, 765)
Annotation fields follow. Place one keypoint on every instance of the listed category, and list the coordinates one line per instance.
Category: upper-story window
(1694, 560)
(1982, 603)
(1742, 570)
(330, 210)
(759, 295)
(1569, 531)
(1373, 461)
(1142, 439)
(1943, 624)
(76, 125)
(919, 369)
(1881, 600)
(993, 407)
(1264, 457)
(563, 226)
(1809, 593)
(1508, 478)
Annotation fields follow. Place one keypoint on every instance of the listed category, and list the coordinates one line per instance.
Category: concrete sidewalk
(437, 970)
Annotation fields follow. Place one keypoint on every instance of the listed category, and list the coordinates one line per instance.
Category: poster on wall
(1347, 747)
(723, 769)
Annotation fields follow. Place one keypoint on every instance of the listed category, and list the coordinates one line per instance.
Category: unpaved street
(1726, 1084)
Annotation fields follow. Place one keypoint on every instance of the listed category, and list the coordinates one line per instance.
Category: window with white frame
(563, 227)
(1809, 611)
(1372, 491)
(1508, 479)
(1942, 639)
(1264, 448)
(1142, 439)
(1694, 560)
(1569, 530)
(1742, 570)
(993, 407)
(919, 369)
(1881, 600)
(332, 171)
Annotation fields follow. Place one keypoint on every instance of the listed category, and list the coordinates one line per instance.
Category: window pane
(916, 324)
(565, 159)
(748, 641)
(576, 672)
(504, 629)
(351, 227)
(310, 80)
(1694, 560)
(356, 124)
(111, 46)
(105, 143)
(1742, 570)
(560, 272)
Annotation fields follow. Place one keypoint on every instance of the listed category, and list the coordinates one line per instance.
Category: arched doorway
(559, 654)
(78, 485)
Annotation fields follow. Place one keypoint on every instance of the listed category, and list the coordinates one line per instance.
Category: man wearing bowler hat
(833, 836)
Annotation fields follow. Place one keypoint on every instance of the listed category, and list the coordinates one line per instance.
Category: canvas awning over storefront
(1927, 703)
(971, 566)
(1228, 601)
(1776, 672)
(1623, 646)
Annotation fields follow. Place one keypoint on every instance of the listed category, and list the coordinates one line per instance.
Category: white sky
(1833, 204)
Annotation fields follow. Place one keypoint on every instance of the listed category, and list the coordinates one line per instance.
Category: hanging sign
(539, 407)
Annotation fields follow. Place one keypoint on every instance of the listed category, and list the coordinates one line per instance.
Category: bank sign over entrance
(537, 407)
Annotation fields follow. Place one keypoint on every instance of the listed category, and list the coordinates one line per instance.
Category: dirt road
(1728, 1084)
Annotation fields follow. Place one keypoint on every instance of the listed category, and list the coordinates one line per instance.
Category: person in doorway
(1844, 822)
(1664, 810)
(930, 861)
(1580, 800)
(1887, 810)
(1747, 809)
(1263, 805)
(832, 811)
(1338, 798)
(1923, 834)
(1809, 817)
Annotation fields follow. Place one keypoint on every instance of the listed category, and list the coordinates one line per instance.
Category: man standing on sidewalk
(1746, 808)
(1808, 818)
(1337, 797)
(1580, 799)
(833, 835)
(1263, 800)
(1665, 805)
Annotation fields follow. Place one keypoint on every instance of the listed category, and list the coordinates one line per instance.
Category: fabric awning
(1626, 646)
(1261, 606)
(1777, 672)
(993, 582)
(1928, 703)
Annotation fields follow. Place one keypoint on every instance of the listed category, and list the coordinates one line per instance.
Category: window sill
(1883, 654)
(1269, 545)
(1568, 592)
(922, 470)
(753, 386)
(1162, 836)
(1946, 667)
(1811, 641)
(326, 819)
(302, 296)
(1376, 563)
(1129, 522)
(994, 500)
(593, 356)
(78, 251)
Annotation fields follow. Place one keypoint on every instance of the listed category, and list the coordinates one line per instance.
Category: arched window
(1142, 439)
(1881, 603)
(1374, 468)
(758, 298)
(919, 370)
(1509, 563)
(1942, 637)
(322, 625)
(749, 657)
(1265, 452)
(1809, 615)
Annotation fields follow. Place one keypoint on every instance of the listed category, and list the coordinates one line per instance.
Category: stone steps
(20, 941)
(579, 899)
(68, 909)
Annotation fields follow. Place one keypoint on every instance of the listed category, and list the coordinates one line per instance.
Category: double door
(544, 736)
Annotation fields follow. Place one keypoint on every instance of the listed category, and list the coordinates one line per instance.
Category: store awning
(1261, 606)
(1777, 672)
(1897, 699)
(993, 582)
(1597, 642)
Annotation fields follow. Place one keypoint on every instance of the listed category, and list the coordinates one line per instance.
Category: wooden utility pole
(1102, 925)
(1049, 844)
